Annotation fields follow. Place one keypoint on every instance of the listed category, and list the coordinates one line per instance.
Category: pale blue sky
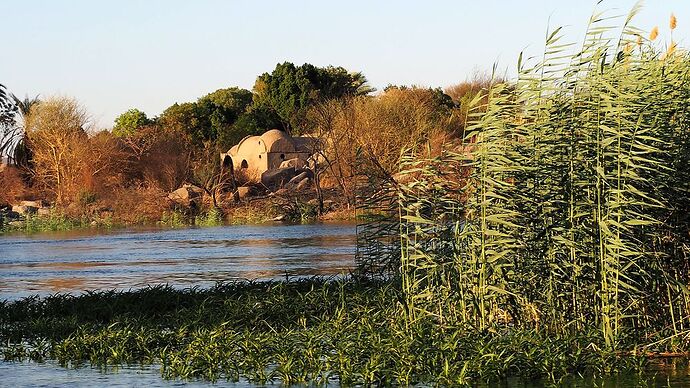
(113, 55)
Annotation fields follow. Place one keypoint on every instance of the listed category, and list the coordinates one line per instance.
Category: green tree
(129, 122)
(232, 102)
(189, 118)
(290, 90)
(213, 117)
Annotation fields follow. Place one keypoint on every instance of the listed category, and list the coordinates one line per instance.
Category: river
(79, 261)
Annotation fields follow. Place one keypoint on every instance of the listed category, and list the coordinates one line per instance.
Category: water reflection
(74, 262)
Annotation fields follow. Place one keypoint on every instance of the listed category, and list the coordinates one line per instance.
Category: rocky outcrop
(187, 195)
(294, 162)
(287, 177)
(275, 179)
(300, 181)
(24, 210)
(244, 192)
(30, 207)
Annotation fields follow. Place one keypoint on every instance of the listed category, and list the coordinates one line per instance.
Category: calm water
(50, 374)
(78, 261)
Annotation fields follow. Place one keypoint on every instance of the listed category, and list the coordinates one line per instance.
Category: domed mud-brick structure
(254, 155)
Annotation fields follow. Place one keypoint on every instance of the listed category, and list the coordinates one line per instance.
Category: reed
(574, 216)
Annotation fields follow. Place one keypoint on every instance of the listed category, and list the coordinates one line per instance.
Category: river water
(122, 259)
(79, 261)
(91, 260)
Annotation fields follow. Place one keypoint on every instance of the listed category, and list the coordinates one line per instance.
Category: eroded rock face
(187, 195)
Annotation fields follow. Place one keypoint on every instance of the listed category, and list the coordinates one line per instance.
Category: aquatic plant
(575, 214)
(310, 330)
(212, 217)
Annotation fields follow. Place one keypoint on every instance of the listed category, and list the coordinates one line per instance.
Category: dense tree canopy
(231, 101)
(289, 90)
(128, 123)
(224, 116)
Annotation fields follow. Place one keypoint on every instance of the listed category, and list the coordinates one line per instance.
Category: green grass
(212, 217)
(313, 330)
(55, 221)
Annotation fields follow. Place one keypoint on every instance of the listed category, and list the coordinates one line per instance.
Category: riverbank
(351, 331)
(301, 208)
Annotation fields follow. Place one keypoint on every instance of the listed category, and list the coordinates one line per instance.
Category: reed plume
(654, 34)
(673, 22)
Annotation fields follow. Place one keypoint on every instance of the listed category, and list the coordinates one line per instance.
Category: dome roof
(277, 141)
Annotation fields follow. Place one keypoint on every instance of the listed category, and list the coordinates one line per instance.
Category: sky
(113, 55)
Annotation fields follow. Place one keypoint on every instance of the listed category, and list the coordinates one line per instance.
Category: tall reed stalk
(575, 211)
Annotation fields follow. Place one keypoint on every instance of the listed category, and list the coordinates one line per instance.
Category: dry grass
(139, 204)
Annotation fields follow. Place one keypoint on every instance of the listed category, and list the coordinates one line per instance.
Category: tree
(8, 128)
(21, 154)
(56, 134)
(188, 118)
(232, 101)
(290, 90)
(212, 117)
(129, 122)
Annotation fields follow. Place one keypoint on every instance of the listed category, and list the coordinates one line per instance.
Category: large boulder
(187, 195)
(244, 192)
(303, 184)
(37, 204)
(294, 162)
(275, 179)
(297, 179)
(23, 210)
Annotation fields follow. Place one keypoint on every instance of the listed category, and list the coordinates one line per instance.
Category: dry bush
(104, 165)
(365, 135)
(159, 158)
(14, 187)
(56, 134)
(70, 165)
(465, 92)
(139, 204)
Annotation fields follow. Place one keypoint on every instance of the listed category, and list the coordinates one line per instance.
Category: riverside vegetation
(551, 241)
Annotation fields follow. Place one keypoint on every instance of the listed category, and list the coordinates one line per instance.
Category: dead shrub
(465, 92)
(14, 186)
(139, 204)
(364, 136)
(57, 137)
(159, 158)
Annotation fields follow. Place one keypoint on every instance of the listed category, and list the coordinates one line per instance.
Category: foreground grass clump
(311, 330)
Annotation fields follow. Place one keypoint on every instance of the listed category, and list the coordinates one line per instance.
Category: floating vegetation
(312, 330)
